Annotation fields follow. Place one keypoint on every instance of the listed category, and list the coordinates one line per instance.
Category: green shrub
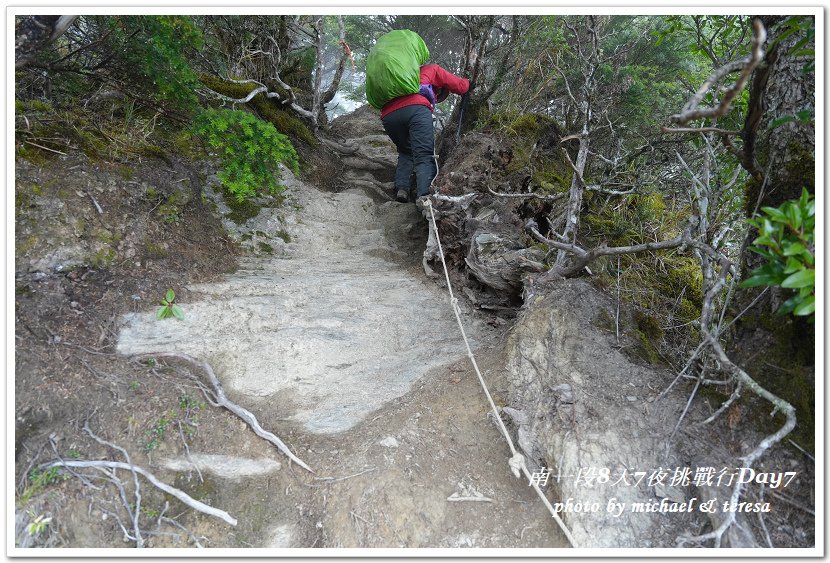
(786, 240)
(168, 307)
(250, 151)
(153, 49)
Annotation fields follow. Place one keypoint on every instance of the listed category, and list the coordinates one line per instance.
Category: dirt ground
(125, 232)
(383, 483)
(120, 259)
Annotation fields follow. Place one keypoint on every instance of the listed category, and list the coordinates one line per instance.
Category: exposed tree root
(220, 399)
(135, 510)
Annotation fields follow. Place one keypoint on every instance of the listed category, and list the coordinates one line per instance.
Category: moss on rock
(240, 211)
(265, 107)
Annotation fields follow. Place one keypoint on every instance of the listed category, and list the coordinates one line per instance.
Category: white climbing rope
(517, 460)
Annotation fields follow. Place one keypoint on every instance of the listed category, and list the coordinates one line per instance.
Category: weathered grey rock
(330, 331)
(389, 442)
(224, 466)
(572, 386)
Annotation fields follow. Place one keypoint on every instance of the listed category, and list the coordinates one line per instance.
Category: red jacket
(430, 74)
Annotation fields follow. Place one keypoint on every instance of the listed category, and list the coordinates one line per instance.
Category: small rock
(564, 392)
(674, 494)
(389, 442)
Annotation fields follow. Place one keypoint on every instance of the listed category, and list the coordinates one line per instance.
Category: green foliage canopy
(154, 48)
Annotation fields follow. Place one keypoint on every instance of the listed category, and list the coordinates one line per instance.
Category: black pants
(410, 128)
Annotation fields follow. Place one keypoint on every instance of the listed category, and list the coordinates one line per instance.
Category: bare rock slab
(326, 334)
(224, 466)
(571, 399)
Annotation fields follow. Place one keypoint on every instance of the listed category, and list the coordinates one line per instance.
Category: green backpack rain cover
(393, 67)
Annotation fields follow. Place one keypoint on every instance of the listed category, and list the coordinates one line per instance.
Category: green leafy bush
(786, 240)
(168, 308)
(250, 150)
(153, 49)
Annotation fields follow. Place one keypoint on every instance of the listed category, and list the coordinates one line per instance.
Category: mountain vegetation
(668, 159)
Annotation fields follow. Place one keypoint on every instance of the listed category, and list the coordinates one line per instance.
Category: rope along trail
(517, 461)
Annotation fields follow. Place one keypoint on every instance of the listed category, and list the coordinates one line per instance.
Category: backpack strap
(427, 92)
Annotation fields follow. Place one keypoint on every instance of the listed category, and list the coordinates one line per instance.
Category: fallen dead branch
(336, 479)
(179, 494)
(554, 197)
(220, 399)
(135, 510)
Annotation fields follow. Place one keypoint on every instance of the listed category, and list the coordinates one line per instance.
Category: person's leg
(396, 125)
(422, 143)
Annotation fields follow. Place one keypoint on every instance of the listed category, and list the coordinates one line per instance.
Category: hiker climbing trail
(341, 344)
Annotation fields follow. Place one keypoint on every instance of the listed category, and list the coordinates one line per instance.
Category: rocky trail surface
(340, 345)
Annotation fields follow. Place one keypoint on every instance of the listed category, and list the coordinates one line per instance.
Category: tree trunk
(786, 153)
(575, 197)
(478, 32)
(338, 74)
(36, 32)
(586, 110)
(778, 350)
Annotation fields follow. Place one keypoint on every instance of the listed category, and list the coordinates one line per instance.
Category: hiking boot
(402, 196)
(420, 204)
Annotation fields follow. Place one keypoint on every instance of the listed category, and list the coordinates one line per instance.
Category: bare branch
(459, 21)
(328, 95)
(585, 257)
(251, 95)
(699, 130)
(567, 83)
(83, 47)
(260, 89)
(736, 394)
(181, 495)
(554, 197)
(136, 511)
(748, 64)
(606, 191)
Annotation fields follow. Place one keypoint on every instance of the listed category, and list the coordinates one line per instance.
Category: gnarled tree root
(220, 399)
(181, 495)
